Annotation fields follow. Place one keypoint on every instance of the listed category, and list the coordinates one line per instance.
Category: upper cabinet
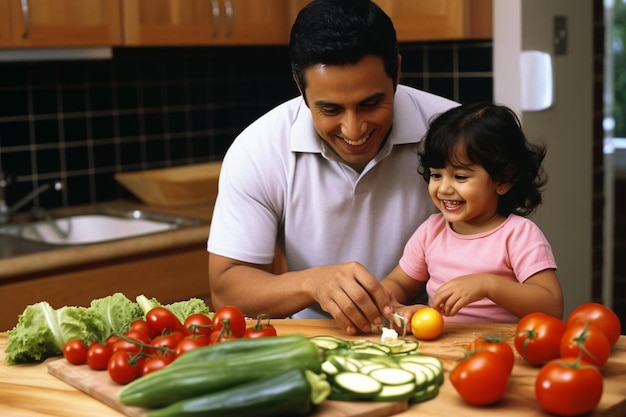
(205, 22)
(59, 23)
(420, 20)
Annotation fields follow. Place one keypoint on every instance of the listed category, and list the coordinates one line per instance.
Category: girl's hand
(459, 292)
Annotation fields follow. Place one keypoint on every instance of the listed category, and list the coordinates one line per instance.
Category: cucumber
(396, 392)
(392, 376)
(361, 386)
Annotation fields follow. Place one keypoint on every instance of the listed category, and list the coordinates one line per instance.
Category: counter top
(28, 390)
(21, 257)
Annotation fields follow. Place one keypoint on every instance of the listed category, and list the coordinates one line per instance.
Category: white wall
(566, 127)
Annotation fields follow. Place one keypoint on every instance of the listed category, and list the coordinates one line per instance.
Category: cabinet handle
(228, 6)
(215, 7)
(25, 18)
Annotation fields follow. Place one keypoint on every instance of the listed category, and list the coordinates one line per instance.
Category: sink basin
(84, 229)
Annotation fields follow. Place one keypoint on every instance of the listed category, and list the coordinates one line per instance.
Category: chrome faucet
(6, 212)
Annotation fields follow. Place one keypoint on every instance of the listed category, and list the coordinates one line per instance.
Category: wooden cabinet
(59, 23)
(419, 20)
(205, 22)
(170, 275)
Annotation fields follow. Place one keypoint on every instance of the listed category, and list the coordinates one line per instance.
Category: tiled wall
(81, 122)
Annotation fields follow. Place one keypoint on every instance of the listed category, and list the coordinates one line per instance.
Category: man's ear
(295, 78)
(399, 71)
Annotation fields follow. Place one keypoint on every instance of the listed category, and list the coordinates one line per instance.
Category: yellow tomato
(426, 323)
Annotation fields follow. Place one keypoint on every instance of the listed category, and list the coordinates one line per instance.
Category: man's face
(352, 107)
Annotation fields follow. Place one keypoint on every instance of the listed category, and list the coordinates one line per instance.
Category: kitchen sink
(97, 227)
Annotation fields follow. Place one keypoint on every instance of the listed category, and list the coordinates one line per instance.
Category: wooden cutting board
(99, 386)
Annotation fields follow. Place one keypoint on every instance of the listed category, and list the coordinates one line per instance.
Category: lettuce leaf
(182, 309)
(117, 312)
(42, 331)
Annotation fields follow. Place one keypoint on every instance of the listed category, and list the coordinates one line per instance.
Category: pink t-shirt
(515, 250)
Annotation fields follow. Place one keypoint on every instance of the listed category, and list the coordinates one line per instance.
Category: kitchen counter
(28, 390)
(21, 257)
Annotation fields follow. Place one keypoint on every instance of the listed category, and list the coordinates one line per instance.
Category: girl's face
(466, 196)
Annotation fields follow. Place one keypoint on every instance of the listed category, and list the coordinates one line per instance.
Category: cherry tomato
(132, 342)
(123, 367)
(191, 342)
(538, 338)
(161, 320)
(98, 356)
(481, 378)
(426, 323)
(141, 326)
(566, 387)
(586, 340)
(75, 352)
(600, 316)
(260, 329)
(156, 362)
(234, 316)
(198, 323)
(222, 335)
(496, 345)
(167, 341)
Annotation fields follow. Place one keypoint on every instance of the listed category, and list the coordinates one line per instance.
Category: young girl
(480, 259)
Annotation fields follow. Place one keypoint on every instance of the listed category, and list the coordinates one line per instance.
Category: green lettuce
(42, 331)
(181, 309)
(117, 312)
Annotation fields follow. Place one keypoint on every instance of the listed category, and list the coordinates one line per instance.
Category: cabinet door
(417, 20)
(205, 22)
(35, 23)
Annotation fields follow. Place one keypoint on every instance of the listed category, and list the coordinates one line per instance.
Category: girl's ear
(503, 188)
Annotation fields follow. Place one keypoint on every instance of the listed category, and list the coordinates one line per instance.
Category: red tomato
(123, 367)
(167, 341)
(198, 323)
(481, 378)
(496, 345)
(154, 363)
(75, 352)
(260, 329)
(538, 338)
(235, 318)
(131, 342)
(222, 335)
(566, 387)
(98, 356)
(191, 342)
(586, 340)
(600, 316)
(141, 326)
(161, 320)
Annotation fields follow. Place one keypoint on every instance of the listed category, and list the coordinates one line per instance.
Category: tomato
(198, 323)
(222, 335)
(235, 318)
(586, 340)
(98, 356)
(131, 342)
(161, 320)
(123, 367)
(154, 363)
(496, 345)
(568, 388)
(538, 338)
(75, 352)
(481, 378)
(191, 342)
(600, 316)
(167, 341)
(141, 326)
(260, 329)
(426, 323)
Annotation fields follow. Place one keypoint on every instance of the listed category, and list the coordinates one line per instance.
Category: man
(330, 177)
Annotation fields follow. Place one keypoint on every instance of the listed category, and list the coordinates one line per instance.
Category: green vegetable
(117, 312)
(42, 331)
(176, 383)
(288, 393)
(182, 309)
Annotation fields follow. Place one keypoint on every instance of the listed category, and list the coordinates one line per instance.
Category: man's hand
(353, 296)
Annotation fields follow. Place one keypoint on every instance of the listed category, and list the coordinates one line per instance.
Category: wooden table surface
(29, 391)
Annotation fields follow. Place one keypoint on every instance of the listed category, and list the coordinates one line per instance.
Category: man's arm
(348, 292)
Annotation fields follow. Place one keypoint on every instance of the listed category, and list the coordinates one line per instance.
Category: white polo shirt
(279, 184)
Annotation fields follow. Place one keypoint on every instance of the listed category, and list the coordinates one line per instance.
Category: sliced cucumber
(393, 376)
(423, 375)
(425, 394)
(396, 392)
(328, 342)
(358, 384)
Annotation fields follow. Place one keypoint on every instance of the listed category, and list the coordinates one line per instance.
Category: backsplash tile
(80, 122)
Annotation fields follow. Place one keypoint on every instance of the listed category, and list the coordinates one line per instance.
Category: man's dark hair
(341, 32)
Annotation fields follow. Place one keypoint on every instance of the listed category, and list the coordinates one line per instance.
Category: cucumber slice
(425, 394)
(328, 342)
(393, 376)
(360, 385)
(396, 392)
(404, 346)
(423, 377)
(366, 369)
